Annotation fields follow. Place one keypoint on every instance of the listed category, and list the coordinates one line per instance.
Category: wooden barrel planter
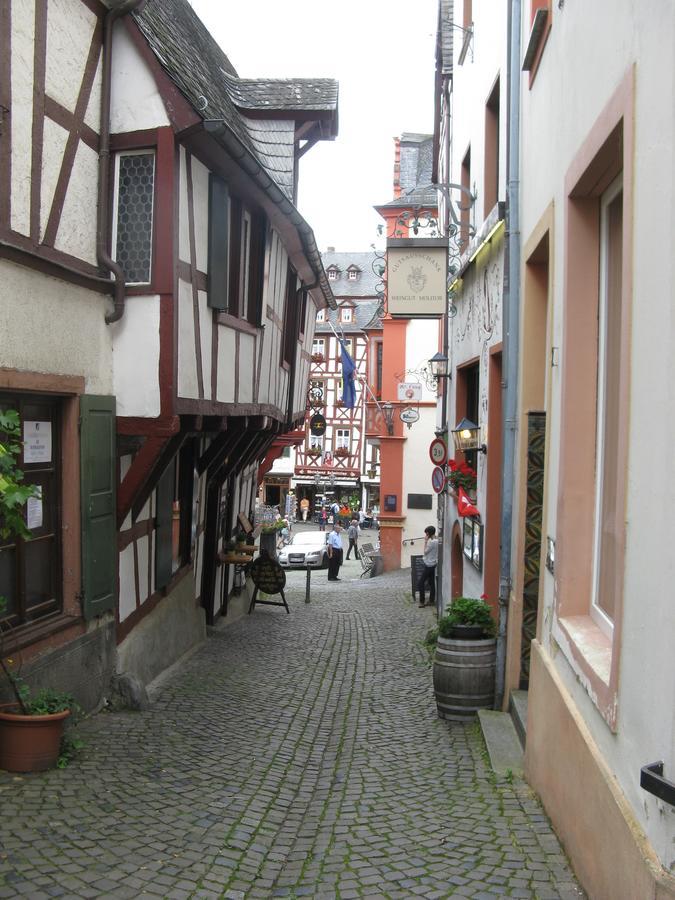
(464, 676)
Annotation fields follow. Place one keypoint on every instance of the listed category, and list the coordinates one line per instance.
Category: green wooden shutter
(97, 487)
(219, 244)
(164, 527)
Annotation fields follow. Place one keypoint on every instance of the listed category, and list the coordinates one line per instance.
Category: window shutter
(99, 526)
(164, 527)
(219, 240)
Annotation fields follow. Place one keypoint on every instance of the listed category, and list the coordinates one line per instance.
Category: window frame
(340, 439)
(135, 151)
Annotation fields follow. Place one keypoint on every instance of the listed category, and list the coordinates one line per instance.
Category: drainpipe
(445, 400)
(102, 254)
(511, 300)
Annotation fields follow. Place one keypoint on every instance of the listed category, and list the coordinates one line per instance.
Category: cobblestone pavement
(291, 756)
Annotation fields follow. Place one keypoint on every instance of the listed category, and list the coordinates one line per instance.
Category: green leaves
(467, 611)
(13, 494)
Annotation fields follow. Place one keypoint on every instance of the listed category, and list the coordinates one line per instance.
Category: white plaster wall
(127, 595)
(135, 103)
(205, 335)
(49, 326)
(200, 193)
(70, 27)
(23, 30)
(246, 363)
(136, 358)
(92, 115)
(473, 83)
(225, 385)
(77, 229)
(417, 468)
(183, 222)
(421, 342)
(187, 360)
(559, 112)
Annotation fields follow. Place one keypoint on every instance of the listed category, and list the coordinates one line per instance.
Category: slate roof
(208, 80)
(445, 35)
(415, 172)
(364, 316)
(365, 285)
(317, 94)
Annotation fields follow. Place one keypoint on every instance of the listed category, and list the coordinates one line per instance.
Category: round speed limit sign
(438, 452)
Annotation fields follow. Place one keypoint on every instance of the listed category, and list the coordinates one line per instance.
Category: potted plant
(342, 451)
(465, 658)
(317, 357)
(462, 476)
(31, 730)
(269, 534)
(31, 727)
(314, 450)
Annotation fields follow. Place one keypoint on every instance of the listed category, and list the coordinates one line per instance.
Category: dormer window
(321, 315)
(332, 274)
(352, 274)
(346, 314)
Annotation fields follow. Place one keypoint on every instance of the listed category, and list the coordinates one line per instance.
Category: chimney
(330, 249)
(397, 167)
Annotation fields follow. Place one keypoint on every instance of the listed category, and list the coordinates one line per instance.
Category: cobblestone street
(292, 755)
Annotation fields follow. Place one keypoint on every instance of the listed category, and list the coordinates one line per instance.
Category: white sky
(381, 52)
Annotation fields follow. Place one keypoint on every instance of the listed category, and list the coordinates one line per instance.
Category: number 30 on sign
(438, 452)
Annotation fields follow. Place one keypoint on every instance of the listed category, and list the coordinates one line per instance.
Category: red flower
(483, 596)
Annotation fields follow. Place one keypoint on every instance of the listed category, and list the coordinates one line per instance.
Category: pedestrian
(334, 552)
(429, 563)
(304, 508)
(353, 535)
(323, 515)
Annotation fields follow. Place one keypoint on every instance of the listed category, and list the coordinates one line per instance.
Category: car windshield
(315, 538)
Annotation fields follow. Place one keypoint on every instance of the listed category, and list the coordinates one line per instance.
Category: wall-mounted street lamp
(467, 436)
(438, 367)
(388, 413)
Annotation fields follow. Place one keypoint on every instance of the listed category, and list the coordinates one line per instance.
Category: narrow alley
(291, 755)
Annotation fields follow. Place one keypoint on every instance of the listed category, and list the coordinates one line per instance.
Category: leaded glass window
(135, 191)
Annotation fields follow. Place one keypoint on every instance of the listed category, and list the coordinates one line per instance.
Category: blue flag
(348, 386)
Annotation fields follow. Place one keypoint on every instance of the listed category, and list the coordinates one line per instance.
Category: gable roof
(365, 316)
(368, 280)
(207, 79)
(259, 135)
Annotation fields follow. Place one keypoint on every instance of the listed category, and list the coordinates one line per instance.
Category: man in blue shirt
(334, 552)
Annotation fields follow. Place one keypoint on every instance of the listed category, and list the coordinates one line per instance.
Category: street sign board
(438, 479)
(409, 415)
(317, 425)
(408, 391)
(438, 452)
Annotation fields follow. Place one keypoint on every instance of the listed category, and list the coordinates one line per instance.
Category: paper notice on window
(34, 512)
(37, 442)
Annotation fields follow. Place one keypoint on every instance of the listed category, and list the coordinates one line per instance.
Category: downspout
(511, 300)
(102, 254)
(445, 401)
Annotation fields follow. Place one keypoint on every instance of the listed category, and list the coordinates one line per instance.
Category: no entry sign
(438, 479)
(438, 452)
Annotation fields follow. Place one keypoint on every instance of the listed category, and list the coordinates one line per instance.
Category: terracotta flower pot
(30, 743)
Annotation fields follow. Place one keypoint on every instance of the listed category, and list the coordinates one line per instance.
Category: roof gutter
(102, 254)
(234, 147)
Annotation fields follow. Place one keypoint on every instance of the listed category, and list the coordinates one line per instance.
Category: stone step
(506, 753)
(518, 710)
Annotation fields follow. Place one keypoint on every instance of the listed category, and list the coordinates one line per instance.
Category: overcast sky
(381, 52)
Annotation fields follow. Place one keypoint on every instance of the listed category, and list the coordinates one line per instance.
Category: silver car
(306, 549)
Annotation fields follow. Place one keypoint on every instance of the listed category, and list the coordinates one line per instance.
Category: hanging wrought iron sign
(417, 272)
(317, 425)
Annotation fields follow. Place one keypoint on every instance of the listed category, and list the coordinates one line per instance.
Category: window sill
(26, 635)
(588, 650)
(237, 324)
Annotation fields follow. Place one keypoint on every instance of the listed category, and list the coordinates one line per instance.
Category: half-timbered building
(339, 464)
(159, 291)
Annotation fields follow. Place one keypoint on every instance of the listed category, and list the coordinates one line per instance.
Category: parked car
(307, 548)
